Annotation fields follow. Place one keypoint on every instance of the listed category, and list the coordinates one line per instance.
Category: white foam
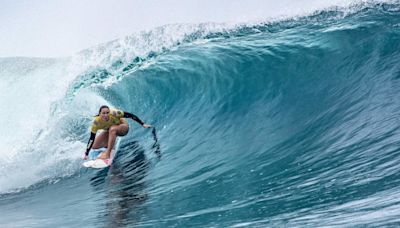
(34, 146)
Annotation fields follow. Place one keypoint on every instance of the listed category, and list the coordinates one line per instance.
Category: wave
(296, 112)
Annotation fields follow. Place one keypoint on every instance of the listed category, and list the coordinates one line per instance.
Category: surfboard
(97, 163)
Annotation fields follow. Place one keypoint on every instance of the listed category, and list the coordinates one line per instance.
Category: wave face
(287, 123)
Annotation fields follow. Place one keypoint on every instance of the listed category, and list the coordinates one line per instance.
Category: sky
(59, 28)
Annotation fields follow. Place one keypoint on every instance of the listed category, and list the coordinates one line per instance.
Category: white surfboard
(98, 163)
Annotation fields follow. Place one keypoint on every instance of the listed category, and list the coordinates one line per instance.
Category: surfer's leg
(113, 132)
(101, 140)
(122, 129)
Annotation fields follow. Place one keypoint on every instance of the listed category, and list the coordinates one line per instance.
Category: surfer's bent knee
(120, 130)
(123, 129)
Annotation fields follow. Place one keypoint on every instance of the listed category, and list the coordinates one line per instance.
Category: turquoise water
(287, 123)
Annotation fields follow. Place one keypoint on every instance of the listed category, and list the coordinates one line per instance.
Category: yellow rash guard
(114, 119)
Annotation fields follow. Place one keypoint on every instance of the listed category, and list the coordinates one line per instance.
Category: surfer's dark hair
(103, 106)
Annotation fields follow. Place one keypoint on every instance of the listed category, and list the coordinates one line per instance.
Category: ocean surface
(290, 122)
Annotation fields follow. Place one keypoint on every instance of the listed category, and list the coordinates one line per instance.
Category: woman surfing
(113, 122)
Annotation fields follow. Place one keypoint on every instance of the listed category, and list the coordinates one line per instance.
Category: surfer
(113, 123)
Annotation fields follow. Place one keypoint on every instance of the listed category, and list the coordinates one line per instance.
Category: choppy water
(286, 123)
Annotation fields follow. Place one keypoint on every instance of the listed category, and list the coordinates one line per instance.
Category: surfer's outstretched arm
(135, 118)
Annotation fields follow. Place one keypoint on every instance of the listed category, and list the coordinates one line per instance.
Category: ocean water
(284, 123)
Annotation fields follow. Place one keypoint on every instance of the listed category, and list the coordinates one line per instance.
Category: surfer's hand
(147, 126)
(85, 157)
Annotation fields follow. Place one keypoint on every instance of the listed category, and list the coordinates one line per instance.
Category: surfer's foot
(104, 155)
